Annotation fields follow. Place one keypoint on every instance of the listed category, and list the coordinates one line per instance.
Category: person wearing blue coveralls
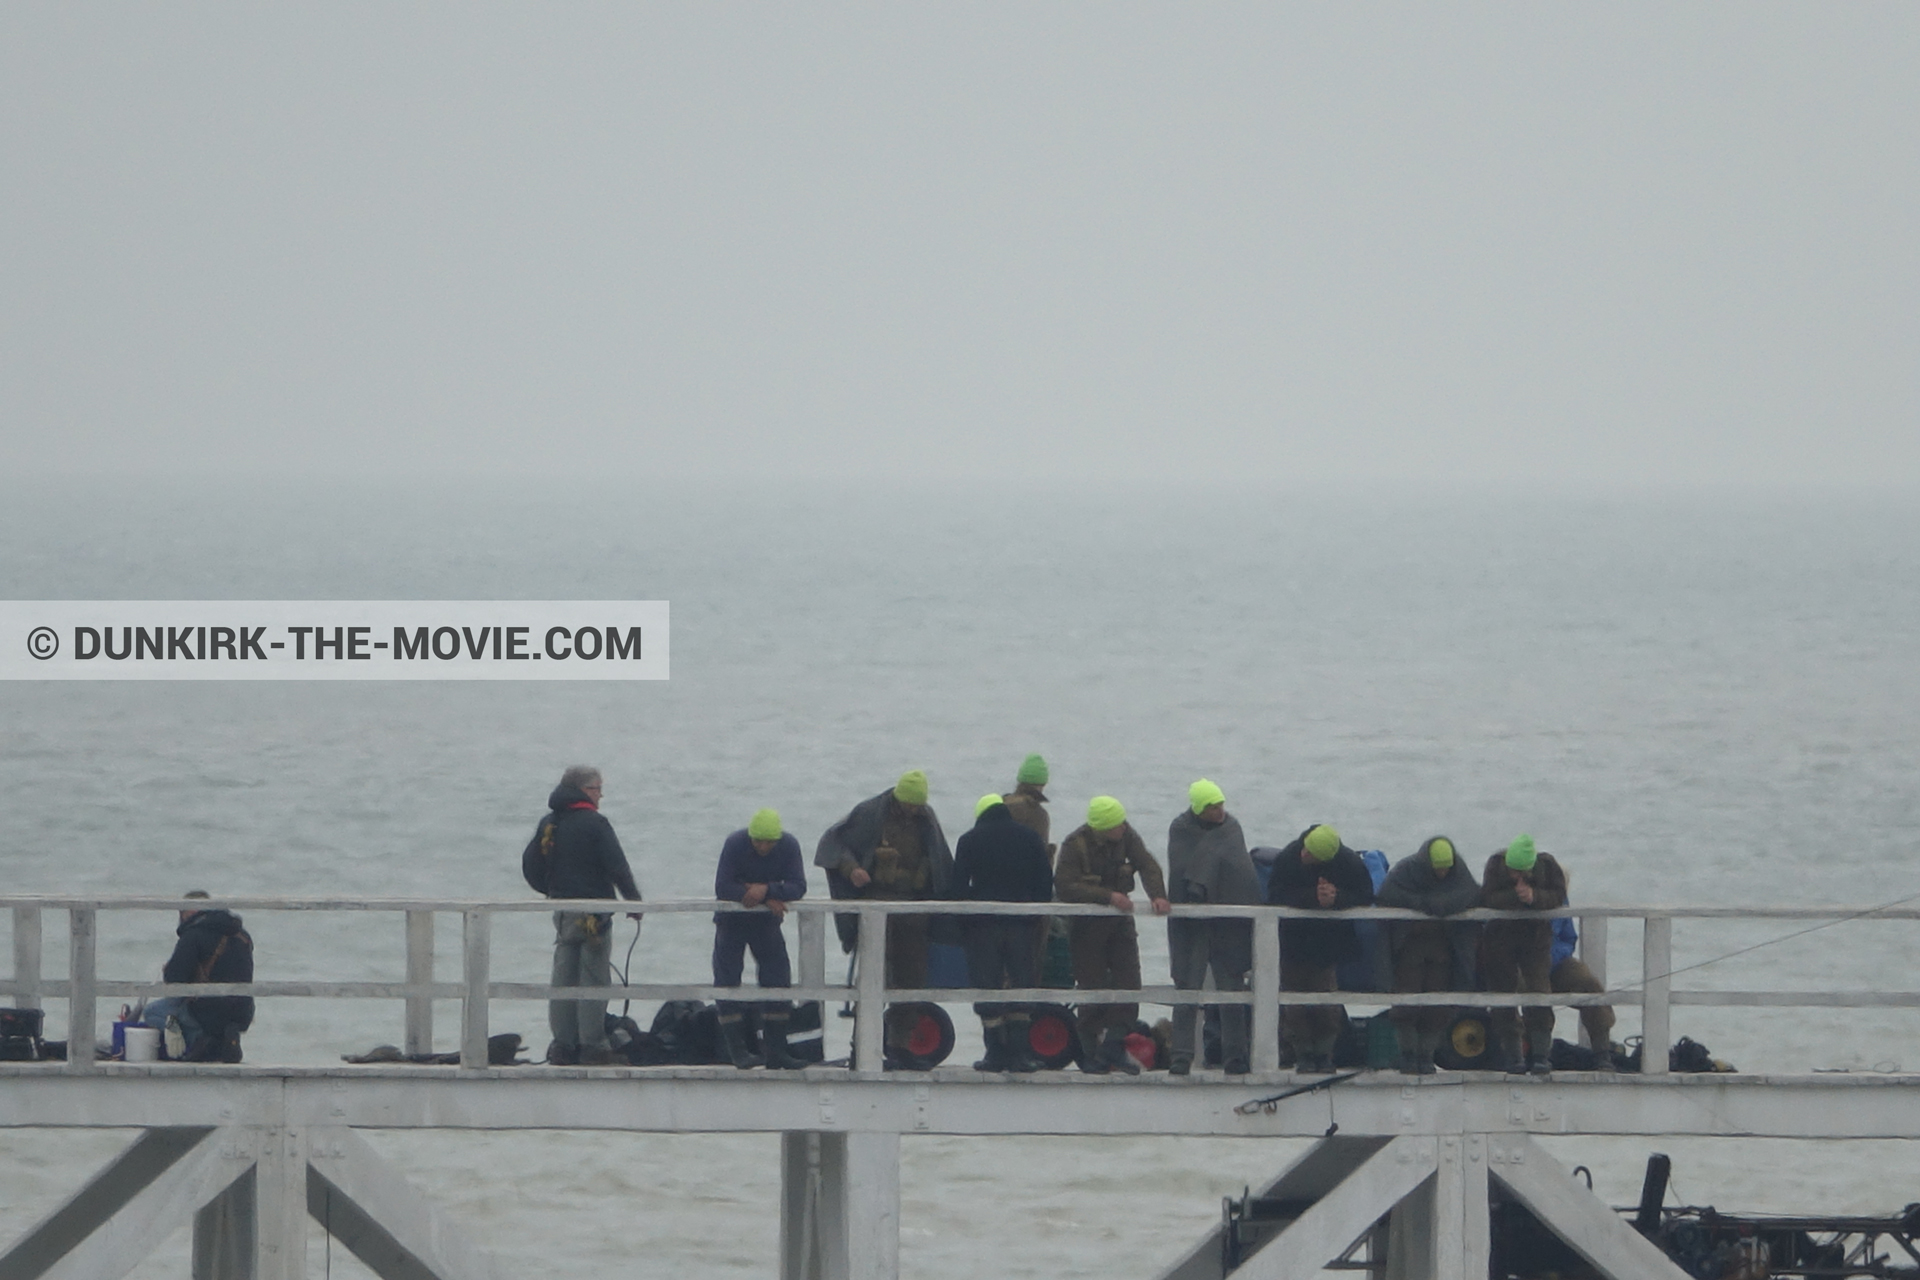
(760, 866)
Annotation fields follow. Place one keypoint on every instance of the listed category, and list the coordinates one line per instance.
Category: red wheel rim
(924, 1040)
(1048, 1036)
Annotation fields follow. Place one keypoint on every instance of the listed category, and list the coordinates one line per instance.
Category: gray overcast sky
(1574, 245)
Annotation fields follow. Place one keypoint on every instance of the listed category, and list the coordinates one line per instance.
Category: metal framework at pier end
(246, 1153)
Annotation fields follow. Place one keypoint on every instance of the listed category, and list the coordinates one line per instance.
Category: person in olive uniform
(1097, 864)
(1518, 954)
(1429, 955)
(1316, 872)
(1207, 862)
(891, 848)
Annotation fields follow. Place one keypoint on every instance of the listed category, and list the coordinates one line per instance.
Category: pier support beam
(839, 1206)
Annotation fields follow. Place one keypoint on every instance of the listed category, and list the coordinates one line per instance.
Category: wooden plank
(1345, 1213)
(81, 955)
(1265, 995)
(475, 946)
(382, 1218)
(419, 1008)
(25, 987)
(1656, 1018)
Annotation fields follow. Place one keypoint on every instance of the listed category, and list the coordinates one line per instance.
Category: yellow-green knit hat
(1521, 855)
(1440, 853)
(1033, 770)
(1203, 795)
(765, 825)
(912, 787)
(1323, 842)
(986, 802)
(1104, 813)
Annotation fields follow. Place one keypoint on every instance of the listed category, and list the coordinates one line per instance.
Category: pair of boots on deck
(1009, 1044)
(773, 1038)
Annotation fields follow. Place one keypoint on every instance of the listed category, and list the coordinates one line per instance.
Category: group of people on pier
(891, 847)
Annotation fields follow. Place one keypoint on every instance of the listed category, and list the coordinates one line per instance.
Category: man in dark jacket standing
(1002, 860)
(1435, 955)
(574, 854)
(211, 946)
(1207, 862)
(1519, 953)
(1316, 872)
(760, 866)
(1098, 863)
(890, 848)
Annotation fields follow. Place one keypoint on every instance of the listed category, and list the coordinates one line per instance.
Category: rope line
(1785, 937)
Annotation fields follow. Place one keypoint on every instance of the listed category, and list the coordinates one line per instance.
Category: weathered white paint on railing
(82, 989)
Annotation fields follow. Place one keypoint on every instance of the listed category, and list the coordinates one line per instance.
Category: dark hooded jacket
(1295, 884)
(851, 842)
(574, 853)
(1208, 862)
(212, 947)
(1549, 894)
(1001, 860)
(1414, 885)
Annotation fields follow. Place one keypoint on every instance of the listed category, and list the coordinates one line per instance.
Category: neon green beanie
(986, 802)
(1204, 794)
(765, 825)
(1033, 770)
(1323, 842)
(912, 787)
(1440, 853)
(1104, 813)
(1521, 854)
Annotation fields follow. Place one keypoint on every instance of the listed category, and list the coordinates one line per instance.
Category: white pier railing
(84, 987)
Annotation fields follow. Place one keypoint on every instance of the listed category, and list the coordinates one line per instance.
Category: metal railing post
(1266, 994)
(473, 1006)
(26, 957)
(870, 999)
(81, 950)
(419, 1026)
(1657, 973)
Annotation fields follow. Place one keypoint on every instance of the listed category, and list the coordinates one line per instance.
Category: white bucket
(143, 1044)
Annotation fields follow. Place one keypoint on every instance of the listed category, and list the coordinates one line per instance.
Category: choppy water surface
(1688, 700)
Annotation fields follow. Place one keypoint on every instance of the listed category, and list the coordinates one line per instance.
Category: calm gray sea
(1689, 699)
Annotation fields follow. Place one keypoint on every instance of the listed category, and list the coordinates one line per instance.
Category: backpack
(538, 858)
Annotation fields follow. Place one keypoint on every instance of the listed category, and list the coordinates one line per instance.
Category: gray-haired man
(574, 854)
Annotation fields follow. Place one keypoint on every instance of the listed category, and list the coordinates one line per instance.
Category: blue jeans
(157, 1013)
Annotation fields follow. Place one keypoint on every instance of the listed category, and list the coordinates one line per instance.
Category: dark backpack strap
(206, 966)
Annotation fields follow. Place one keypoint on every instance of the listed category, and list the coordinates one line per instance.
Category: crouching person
(211, 947)
(1429, 955)
(1002, 860)
(760, 866)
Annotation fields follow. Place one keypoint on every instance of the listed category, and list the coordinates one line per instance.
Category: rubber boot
(1409, 1062)
(1021, 1059)
(1540, 1065)
(1603, 1059)
(1113, 1051)
(1507, 1056)
(773, 1036)
(734, 1032)
(995, 1034)
(1424, 1047)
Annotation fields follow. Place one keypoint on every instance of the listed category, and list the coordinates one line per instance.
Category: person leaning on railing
(1097, 864)
(1316, 872)
(1429, 955)
(1207, 862)
(760, 866)
(575, 854)
(1518, 954)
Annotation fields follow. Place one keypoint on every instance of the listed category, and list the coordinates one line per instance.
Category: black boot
(1508, 1058)
(734, 1032)
(1603, 1059)
(996, 1037)
(1540, 1065)
(1021, 1059)
(773, 1036)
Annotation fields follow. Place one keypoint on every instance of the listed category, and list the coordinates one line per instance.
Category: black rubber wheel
(1051, 1035)
(1467, 1043)
(929, 1031)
